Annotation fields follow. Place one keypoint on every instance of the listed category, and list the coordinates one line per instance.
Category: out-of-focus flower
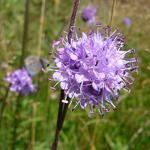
(127, 21)
(93, 69)
(89, 14)
(20, 82)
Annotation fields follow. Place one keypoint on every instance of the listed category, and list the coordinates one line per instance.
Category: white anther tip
(65, 101)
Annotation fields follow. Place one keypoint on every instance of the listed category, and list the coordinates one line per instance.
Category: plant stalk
(34, 106)
(72, 19)
(15, 122)
(62, 106)
(4, 102)
(112, 12)
(42, 18)
(59, 122)
(18, 102)
(25, 32)
(22, 54)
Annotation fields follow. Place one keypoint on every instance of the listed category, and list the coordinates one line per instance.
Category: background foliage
(128, 128)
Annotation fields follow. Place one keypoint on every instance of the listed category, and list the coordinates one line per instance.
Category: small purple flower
(20, 82)
(93, 69)
(89, 14)
(127, 21)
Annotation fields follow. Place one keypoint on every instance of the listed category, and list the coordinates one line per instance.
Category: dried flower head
(93, 69)
(89, 14)
(20, 82)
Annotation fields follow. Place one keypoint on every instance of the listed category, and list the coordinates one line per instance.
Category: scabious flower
(20, 82)
(89, 14)
(93, 69)
(127, 21)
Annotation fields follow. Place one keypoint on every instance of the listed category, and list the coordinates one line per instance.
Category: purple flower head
(21, 82)
(127, 21)
(88, 14)
(93, 69)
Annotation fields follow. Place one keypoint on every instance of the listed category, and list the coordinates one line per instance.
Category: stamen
(125, 80)
(65, 100)
(132, 51)
(131, 68)
(113, 33)
(81, 87)
(71, 100)
(134, 69)
(92, 109)
(54, 87)
(91, 112)
(75, 105)
(51, 69)
(126, 89)
(104, 109)
(50, 79)
(66, 95)
(101, 112)
(130, 77)
(111, 103)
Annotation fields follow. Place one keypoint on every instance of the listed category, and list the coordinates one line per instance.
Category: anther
(64, 101)
(132, 51)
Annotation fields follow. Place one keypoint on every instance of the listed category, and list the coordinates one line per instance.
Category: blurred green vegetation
(128, 128)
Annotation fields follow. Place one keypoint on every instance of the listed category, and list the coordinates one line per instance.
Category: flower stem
(42, 18)
(112, 12)
(64, 107)
(72, 19)
(15, 122)
(18, 102)
(4, 102)
(33, 128)
(59, 122)
(25, 32)
(21, 59)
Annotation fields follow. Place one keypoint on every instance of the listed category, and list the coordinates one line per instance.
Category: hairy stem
(64, 107)
(72, 19)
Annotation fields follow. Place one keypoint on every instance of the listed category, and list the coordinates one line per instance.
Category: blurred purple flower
(93, 69)
(89, 14)
(20, 82)
(127, 21)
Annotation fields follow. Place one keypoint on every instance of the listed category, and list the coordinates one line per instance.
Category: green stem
(24, 40)
(42, 18)
(4, 102)
(15, 122)
(112, 12)
(25, 32)
(18, 102)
